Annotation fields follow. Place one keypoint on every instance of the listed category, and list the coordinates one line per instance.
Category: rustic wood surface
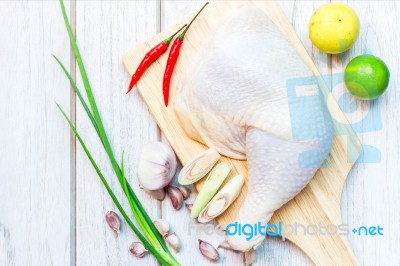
(52, 210)
(319, 202)
(35, 191)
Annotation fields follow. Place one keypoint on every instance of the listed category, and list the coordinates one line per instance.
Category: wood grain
(104, 31)
(34, 138)
(323, 192)
(373, 185)
(275, 251)
(188, 231)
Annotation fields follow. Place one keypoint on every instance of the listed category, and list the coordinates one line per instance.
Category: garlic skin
(227, 246)
(250, 257)
(137, 249)
(173, 241)
(175, 196)
(157, 165)
(113, 221)
(208, 250)
(158, 194)
(162, 226)
(189, 206)
(185, 192)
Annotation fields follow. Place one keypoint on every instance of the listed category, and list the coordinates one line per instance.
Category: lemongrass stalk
(198, 167)
(222, 200)
(214, 180)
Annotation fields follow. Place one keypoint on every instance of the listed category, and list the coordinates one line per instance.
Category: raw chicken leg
(236, 98)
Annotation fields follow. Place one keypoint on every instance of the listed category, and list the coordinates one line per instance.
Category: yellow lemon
(334, 28)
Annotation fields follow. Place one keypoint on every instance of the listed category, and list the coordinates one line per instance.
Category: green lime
(366, 77)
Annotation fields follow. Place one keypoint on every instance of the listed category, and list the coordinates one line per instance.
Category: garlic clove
(208, 250)
(137, 249)
(158, 194)
(185, 192)
(173, 241)
(198, 167)
(113, 221)
(227, 246)
(162, 226)
(175, 196)
(249, 257)
(189, 206)
(157, 165)
(222, 200)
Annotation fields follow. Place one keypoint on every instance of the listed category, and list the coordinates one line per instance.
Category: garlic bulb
(157, 165)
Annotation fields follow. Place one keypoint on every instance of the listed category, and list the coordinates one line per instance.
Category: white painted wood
(34, 138)
(371, 195)
(274, 251)
(185, 227)
(376, 34)
(104, 31)
(35, 192)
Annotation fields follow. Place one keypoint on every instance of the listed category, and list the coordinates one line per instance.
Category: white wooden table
(52, 204)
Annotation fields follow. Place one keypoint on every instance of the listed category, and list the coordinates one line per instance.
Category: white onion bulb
(157, 165)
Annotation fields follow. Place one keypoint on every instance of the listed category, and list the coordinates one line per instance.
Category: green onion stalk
(148, 234)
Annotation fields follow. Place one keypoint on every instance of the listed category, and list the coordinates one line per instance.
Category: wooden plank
(34, 229)
(188, 231)
(320, 200)
(35, 140)
(275, 251)
(104, 31)
(373, 185)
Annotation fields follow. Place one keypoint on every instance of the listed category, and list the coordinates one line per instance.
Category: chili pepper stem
(150, 57)
(173, 58)
(169, 39)
(182, 35)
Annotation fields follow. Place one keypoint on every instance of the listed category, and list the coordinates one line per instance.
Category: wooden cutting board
(319, 202)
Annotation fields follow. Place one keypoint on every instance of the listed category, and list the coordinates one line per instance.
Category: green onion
(149, 235)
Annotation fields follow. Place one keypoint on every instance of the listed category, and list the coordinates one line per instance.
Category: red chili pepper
(150, 57)
(173, 58)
